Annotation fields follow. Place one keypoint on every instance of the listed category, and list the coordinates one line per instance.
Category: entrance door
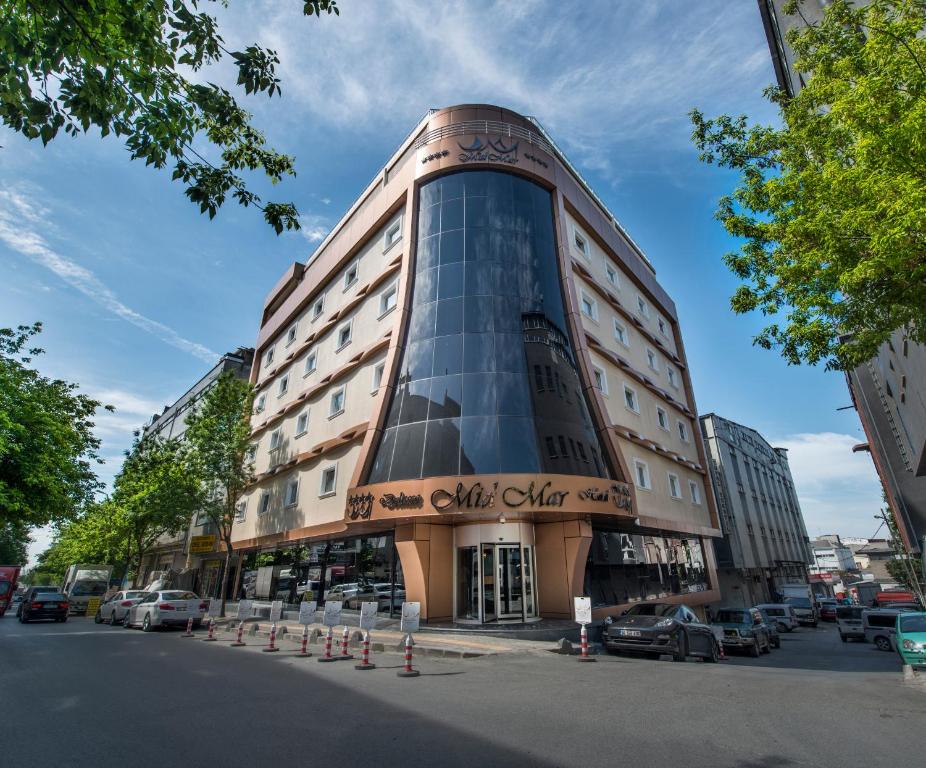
(489, 579)
(509, 595)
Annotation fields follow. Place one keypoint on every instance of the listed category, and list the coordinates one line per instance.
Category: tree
(134, 68)
(47, 443)
(831, 205)
(14, 543)
(219, 435)
(155, 495)
(97, 535)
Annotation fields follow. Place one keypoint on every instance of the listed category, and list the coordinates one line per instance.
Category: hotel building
(475, 393)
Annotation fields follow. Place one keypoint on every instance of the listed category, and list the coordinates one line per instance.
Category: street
(79, 694)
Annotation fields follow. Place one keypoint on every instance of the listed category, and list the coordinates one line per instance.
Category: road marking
(63, 634)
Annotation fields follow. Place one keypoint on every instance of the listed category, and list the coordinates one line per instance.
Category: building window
(291, 335)
(292, 493)
(329, 481)
(251, 452)
(630, 399)
(551, 447)
(318, 307)
(268, 357)
(589, 306)
(683, 431)
(276, 439)
(283, 386)
(388, 299)
(581, 243)
(601, 379)
(378, 371)
(336, 403)
(643, 307)
(651, 360)
(641, 475)
(350, 277)
(675, 487)
(241, 511)
(612, 276)
(620, 333)
(663, 418)
(344, 335)
(264, 503)
(662, 327)
(311, 360)
(261, 403)
(673, 377)
(393, 235)
(302, 423)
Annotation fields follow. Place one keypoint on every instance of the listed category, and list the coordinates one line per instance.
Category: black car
(44, 605)
(31, 594)
(660, 628)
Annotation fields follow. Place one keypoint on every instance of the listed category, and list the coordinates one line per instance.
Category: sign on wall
(307, 611)
(583, 609)
(411, 617)
(200, 545)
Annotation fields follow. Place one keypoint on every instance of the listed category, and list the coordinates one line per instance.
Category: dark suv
(658, 628)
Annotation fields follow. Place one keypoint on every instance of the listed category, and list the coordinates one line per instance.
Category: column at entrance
(426, 552)
(562, 552)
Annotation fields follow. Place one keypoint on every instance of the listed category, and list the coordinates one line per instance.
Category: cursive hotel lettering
(490, 151)
(476, 497)
(360, 505)
(618, 495)
(515, 497)
(401, 501)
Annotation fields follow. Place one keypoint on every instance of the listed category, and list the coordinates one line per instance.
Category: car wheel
(714, 656)
(882, 643)
(98, 619)
(146, 623)
(755, 650)
(125, 622)
(682, 651)
(64, 619)
(23, 619)
(777, 643)
(843, 638)
(112, 619)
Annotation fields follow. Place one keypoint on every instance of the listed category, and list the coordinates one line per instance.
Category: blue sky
(139, 292)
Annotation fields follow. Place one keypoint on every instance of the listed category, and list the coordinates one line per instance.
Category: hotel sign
(488, 151)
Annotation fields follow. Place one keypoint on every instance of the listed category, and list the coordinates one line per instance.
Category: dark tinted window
(734, 617)
(652, 609)
(487, 312)
(882, 619)
(913, 624)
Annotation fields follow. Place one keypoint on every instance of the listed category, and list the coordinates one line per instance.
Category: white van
(849, 622)
(782, 614)
(880, 626)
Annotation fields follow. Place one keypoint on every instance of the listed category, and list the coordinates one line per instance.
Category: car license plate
(630, 633)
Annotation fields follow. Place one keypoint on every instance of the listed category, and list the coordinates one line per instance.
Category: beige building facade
(476, 392)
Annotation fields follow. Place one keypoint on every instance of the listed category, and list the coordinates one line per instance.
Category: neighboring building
(830, 555)
(198, 548)
(765, 543)
(476, 389)
(873, 557)
(889, 391)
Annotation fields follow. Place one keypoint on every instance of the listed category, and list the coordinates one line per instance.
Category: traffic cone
(240, 638)
(583, 645)
(327, 656)
(210, 638)
(189, 628)
(345, 655)
(407, 671)
(365, 654)
(272, 648)
(305, 642)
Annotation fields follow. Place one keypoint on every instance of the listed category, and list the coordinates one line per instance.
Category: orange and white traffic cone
(583, 645)
(345, 655)
(240, 637)
(407, 671)
(272, 648)
(305, 642)
(328, 656)
(189, 628)
(365, 654)
(210, 638)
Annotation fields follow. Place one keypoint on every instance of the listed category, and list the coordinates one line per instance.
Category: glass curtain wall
(488, 381)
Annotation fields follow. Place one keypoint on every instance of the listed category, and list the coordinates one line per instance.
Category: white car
(170, 607)
(115, 609)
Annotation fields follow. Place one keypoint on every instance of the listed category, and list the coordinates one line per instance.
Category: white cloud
(315, 228)
(22, 219)
(839, 491)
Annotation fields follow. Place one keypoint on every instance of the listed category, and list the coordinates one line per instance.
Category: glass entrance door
(509, 596)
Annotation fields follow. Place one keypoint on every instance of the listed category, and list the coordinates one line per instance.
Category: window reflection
(488, 367)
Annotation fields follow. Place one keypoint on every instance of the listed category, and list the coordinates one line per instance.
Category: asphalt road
(78, 694)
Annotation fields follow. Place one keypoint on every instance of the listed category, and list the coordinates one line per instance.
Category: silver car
(114, 610)
(169, 607)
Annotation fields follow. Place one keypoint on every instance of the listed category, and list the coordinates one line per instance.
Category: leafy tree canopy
(97, 535)
(47, 445)
(135, 68)
(831, 205)
(14, 543)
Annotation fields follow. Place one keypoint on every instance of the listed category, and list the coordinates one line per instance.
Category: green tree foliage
(136, 68)
(219, 436)
(47, 445)
(831, 205)
(97, 535)
(14, 543)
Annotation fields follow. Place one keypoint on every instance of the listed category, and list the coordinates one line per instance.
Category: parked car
(827, 609)
(849, 622)
(44, 605)
(772, 627)
(115, 609)
(911, 638)
(880, 626)
(31, 593)
(743, 629)
(166, 608)
(658, 628)
(804, 609)
(782, 613)
(385, 599)
(343, 592)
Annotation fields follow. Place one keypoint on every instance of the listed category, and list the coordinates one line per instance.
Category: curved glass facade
(488, 381)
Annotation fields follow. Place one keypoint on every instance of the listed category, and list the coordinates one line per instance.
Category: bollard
(305, 642)
(240, 638)
(272, 648)
(345, 654)
(189, 628)
(210, 638)
(365, 654)
(408, 671)
(583, 642)
(722, 656)
(327, 656)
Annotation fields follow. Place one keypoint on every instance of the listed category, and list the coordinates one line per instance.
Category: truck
(801, 598)
(8, 576)
(81, 582)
